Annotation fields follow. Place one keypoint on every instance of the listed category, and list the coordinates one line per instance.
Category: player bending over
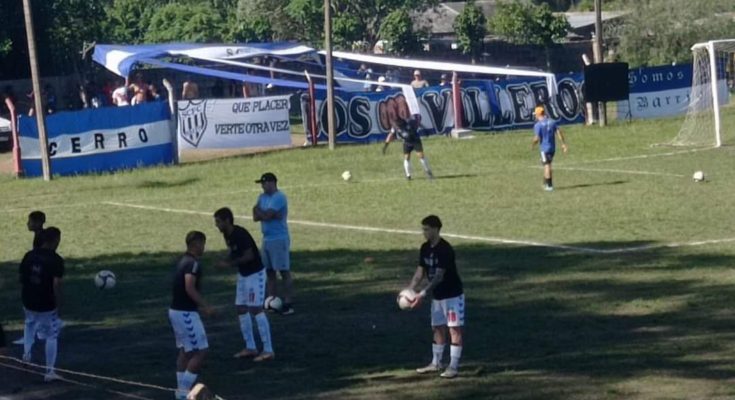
(544, 130)
(251, 281)
(191, 338)
(436, 263)
(407, 130)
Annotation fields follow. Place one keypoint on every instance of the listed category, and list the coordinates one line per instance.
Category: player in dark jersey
(437, 265)
(251, 285)
(187, 301)
(408, 131)
(545, 131)
(36, 219)
(41, 273)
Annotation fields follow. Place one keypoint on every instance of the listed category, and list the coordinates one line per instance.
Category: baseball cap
(416, 72)
(267, 177)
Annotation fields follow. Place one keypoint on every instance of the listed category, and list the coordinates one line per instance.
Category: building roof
(579, 20)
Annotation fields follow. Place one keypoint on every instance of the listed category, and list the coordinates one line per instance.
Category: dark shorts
(547, 158)
(408, 147)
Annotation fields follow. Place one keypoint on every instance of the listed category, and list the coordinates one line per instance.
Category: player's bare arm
(534, 142)
(257, 214)
(438, 278)
(57, 293)
(388, 139)
(418, 276)
(561, 139)
(190, 286)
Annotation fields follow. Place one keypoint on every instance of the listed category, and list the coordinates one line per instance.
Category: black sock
(550, 183)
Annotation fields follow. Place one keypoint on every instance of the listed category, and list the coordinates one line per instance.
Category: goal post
(712, 67)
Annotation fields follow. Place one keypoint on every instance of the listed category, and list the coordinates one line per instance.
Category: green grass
(543, 322)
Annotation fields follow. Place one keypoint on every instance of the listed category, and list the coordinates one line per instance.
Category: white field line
(472, 238)
(618, 171)
(637, 157)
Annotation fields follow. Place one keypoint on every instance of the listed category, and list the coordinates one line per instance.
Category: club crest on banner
(193, 121)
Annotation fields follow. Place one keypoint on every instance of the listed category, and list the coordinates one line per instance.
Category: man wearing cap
(271, 211)
(545, 131)
(443, 81)
(418, 82)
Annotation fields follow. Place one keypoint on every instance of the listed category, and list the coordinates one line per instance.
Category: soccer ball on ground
(105, 279)
(698, 176)
(273, 303)
(406, 299)
(347, 175)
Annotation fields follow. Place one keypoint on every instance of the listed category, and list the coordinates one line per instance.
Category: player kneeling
(436, 263)
(191, 339)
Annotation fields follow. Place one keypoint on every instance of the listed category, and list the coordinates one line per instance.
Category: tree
(471, 29)
(662, 31)
(178, 22)
(523, 23)
(397, 30)
(308, 19)
(127, 21)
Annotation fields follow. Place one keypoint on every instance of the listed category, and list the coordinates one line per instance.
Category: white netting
(703, 124)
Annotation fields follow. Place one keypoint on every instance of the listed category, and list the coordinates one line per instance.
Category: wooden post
(330, 72)
(38, 103)
(16, 142)
(602, 107)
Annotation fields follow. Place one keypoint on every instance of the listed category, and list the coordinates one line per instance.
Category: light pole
(330, 71)
(602, 108)
(38, 101)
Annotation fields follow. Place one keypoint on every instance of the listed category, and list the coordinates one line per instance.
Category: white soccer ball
(347, 175)
(273, 303)
(105, 279)
(406, 299)
(698, 176)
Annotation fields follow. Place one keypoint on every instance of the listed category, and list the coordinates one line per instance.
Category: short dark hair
(195, 236)
(50, 234)
(37, 216)
(225, 214)
(432, 221)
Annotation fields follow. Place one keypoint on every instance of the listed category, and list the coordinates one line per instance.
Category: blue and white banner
(234, 123)
(657, 92)
(100, 140)
(487, 106)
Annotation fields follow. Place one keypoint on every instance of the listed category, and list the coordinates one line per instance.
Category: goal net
(713, 64)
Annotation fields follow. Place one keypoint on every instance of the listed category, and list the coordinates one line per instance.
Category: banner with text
(487, 106)
(234, 123)
(655, 92)
(99, 140)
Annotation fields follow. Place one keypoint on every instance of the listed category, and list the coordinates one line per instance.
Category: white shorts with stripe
(449, 312)
(46, 324)
(251, 289)
(188, 330)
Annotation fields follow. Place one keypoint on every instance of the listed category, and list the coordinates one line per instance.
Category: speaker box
(606, 82)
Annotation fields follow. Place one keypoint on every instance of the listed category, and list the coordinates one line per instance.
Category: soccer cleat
(246, 353)
(287, 310)
(449, 373)
(549, 188)
(430, 175)
(264, 357)
(429, 368)
(51, 376)
(408, 177)
(180, 394)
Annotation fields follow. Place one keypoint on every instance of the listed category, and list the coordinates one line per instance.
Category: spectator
(368, 85)
(380, 87)
(154, 94)
(190, 89)
(443, 81)
(138, 94)
(120, 95)
(418, 81)
(51, 100)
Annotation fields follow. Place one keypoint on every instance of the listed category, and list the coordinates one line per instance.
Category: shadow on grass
(587, 185)
(541, 323)
(167, 184)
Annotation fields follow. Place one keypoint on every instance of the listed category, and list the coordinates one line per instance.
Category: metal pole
(602, 108)
(38, 103)
(330, 72)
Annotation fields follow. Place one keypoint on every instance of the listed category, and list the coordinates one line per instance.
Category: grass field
(618, 285)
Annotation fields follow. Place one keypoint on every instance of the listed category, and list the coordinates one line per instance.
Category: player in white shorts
(41, 273)
(191, 338)
(436, 263)
(251, 282)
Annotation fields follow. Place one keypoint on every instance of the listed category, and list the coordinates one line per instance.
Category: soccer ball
(105, 280)
(273, 303)
(406, 299)
(347, 175)
(698, 176)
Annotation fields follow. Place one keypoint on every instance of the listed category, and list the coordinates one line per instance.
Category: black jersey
(409, 134)
(37, 272)
(239, 241)
(441, 256)
(187, 265)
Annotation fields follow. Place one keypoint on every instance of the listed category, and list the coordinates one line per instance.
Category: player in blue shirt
(545, 130)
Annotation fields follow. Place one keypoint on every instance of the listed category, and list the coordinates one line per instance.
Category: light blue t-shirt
(546, 131)
(275, 229)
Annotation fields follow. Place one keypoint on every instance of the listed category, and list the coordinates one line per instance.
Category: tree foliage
(177, 22)
(397, 30)
(524, 23)
(471, 28)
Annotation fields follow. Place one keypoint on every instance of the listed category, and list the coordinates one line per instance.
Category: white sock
(29, 336)
(438, 351)
(407, 167)
(179, 378)
(456, 353)
(51, 351)
(425, 164)
(246, 327)
(264, 329)
(188, 379)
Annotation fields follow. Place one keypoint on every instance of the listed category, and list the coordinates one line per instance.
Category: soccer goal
(713, 64)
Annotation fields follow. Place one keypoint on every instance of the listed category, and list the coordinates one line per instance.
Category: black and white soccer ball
(698, 176)
(273, 303)
(105, 280)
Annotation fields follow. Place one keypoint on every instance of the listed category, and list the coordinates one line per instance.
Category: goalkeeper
(407, 130)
